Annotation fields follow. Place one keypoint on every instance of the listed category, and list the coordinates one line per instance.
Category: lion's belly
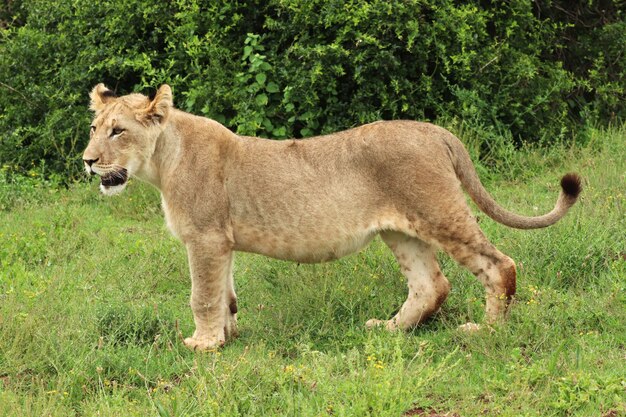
(301, 246)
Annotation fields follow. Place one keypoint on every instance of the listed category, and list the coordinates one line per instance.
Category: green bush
(529, 71)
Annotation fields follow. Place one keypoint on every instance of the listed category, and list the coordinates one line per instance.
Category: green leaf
(260, 78)
(272, 87)
(280, 132)
(162, 411)
(246, 52)
(261, 100)
(267, 124)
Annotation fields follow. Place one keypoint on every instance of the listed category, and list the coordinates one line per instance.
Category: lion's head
(123, 134)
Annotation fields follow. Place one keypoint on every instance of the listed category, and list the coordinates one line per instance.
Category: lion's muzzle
(111, 179)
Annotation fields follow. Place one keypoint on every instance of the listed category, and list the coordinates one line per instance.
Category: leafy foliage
(526, 71)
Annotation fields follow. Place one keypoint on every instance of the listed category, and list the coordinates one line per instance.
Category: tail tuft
(570, 183)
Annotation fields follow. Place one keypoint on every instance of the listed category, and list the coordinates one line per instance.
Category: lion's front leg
(230, 311)
(210, 259)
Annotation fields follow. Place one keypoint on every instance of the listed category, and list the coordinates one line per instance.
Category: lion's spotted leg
(494, 270)
(428, 287)
(500, 284)
(210, 258)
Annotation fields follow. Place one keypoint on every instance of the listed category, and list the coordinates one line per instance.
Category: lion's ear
(100, 96)
(159, 108)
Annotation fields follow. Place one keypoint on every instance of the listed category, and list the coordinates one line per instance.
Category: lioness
(307, 200)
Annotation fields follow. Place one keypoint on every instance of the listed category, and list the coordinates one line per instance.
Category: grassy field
(94, 292)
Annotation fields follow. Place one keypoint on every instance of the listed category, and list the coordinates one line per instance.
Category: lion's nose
(89, 162)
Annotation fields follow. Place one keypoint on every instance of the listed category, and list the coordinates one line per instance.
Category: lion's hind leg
(464, 241)
(428, 287)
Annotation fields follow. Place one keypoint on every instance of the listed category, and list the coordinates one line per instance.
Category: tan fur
(306, 200)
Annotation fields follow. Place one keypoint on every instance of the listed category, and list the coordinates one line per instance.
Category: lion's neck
(163, 158)
(184, 138)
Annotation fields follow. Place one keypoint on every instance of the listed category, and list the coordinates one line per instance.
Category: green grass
(93, 290)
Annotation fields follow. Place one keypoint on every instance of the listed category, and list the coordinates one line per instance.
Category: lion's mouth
(112, 179)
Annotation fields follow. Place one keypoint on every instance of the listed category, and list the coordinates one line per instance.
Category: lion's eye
(116, 131)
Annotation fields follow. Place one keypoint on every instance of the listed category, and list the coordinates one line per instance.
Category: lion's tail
(465, 171)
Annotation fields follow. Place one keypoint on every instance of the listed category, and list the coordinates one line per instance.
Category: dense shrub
(530, 71)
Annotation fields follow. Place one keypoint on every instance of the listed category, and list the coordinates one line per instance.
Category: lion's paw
(470, 327)
(372, 323)
(204, 343)
(387, 324)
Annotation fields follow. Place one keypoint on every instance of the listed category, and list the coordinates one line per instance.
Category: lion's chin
(114, 182)
(110, 190)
